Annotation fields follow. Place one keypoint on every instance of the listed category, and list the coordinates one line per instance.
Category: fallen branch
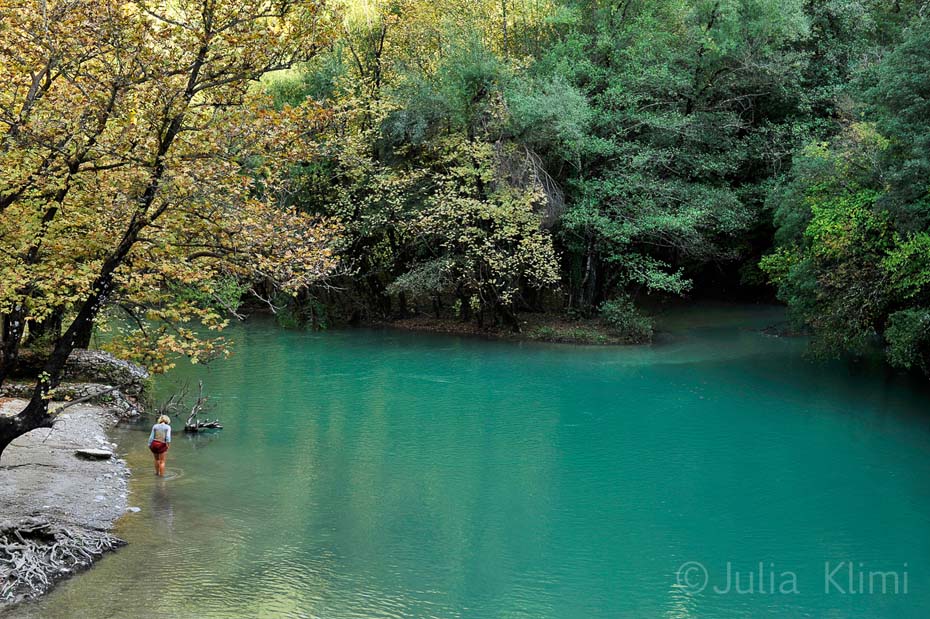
(192, 424)
(85, 399)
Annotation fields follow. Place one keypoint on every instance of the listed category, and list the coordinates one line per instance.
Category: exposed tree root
(34, 554)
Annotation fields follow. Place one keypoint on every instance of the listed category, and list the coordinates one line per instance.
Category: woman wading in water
(159, 440)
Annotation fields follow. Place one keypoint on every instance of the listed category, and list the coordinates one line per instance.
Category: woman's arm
(151, 436)
(168, 435)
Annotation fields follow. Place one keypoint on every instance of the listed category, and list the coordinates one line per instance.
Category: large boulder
(90, 366)
(97, 366)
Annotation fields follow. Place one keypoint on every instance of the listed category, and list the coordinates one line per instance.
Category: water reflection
(372, 474)
(161, 505)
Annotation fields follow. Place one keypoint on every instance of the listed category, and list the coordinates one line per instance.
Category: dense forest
(490, 158)
(166, 165)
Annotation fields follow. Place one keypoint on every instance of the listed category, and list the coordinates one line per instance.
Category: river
(379, 474)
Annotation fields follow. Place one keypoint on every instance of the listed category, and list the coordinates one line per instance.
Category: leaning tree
(141, 170)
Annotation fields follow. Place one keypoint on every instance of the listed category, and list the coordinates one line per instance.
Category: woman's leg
(161, 462)
(156, 462)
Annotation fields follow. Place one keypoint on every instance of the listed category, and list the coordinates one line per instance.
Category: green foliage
(690, 107)
(840, 223)
(853, 256)
(223, 294)
(310, 313)
(549, 115)
(908, 265)
(908, 336)
(317, 80)
(625, 320)
(573, 335)
(597, 151)
(831, 275)
(424, 280)
(488, 235)
(896, 93)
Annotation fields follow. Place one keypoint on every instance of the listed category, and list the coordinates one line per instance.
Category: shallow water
(386, 474)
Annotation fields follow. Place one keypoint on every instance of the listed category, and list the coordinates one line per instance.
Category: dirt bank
(57, 508)
(533, 327)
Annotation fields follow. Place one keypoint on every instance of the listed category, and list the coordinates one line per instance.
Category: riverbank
(533, 327)
(58, 507)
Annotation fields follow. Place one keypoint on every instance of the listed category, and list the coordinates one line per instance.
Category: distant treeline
(163, 163)
(488, 157)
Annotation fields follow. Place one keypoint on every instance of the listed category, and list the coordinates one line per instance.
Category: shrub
(625, 321)
(908, 337)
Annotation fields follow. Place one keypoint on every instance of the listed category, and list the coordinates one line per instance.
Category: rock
(134, 510)
(93, 366)
(102, 367)
(51, 474)
(114, 400)
(93, 454)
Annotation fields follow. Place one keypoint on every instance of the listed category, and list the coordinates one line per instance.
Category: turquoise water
(372, 474)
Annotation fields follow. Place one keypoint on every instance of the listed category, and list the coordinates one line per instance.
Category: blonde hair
(165, 419)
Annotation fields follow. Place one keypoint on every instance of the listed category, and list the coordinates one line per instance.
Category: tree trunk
(504, 19)
(32, 417)
(464, 305)
(49, 328)
(35, 415)
(510, 317)
(82, 337)
(11, 336)
(589, 281)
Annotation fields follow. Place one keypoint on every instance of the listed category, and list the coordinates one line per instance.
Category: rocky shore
(63, 488)
(58, 507)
